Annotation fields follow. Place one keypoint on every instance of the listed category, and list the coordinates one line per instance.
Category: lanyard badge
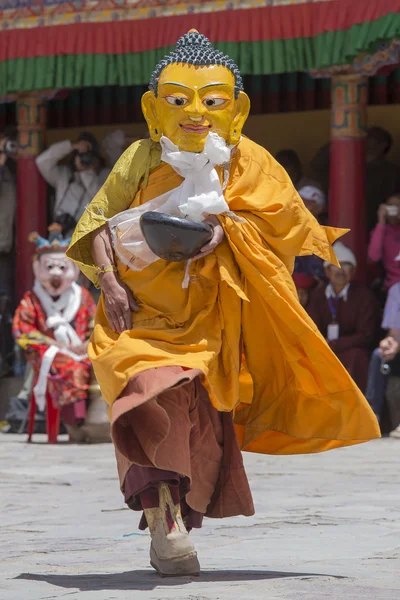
(333, 328)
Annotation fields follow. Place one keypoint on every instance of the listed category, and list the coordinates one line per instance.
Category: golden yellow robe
(296, 395)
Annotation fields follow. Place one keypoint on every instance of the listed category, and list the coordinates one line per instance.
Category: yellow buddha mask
(193, 91)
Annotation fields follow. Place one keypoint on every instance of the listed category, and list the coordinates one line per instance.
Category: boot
(172, 553)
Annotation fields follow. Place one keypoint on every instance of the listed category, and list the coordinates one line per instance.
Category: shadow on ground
(148, 580)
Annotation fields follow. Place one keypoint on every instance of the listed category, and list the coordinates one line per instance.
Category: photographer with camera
(75, 184)
(384, 245)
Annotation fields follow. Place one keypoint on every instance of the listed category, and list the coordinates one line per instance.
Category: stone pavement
(327, 527)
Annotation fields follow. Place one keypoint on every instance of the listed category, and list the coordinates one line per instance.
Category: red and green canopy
(53, 44)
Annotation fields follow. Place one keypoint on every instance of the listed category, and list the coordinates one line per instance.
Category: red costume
(52, 325)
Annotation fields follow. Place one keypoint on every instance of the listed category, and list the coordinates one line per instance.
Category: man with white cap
(314, 199)
(347, 314)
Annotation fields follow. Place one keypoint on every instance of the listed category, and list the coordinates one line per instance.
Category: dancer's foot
(172, 553)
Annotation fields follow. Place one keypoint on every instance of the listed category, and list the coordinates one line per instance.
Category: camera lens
(10, 147)
(385, 369)
(86, 158)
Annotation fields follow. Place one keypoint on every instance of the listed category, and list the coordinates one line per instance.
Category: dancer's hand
(119, 302)
(217, 238)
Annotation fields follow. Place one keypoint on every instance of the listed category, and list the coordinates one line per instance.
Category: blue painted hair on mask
(193, 48)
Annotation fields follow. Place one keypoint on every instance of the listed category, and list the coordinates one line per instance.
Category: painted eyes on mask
(51, 266)
(209, 102)
(176, 100)
(213, 101)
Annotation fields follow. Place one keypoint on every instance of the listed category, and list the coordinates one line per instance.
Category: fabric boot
(172, 553)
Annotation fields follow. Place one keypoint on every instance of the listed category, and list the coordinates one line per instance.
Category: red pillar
(347, 164)
(31, 188)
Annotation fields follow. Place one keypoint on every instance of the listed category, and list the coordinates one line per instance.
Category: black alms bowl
(172, 238)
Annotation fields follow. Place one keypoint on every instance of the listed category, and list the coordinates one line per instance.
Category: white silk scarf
(199, 195)
(59, 315)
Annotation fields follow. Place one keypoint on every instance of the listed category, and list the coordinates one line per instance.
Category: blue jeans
(377, 383)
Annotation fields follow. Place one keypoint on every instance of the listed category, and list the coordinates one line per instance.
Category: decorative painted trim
(28, 14)
(349, 106)
(365, 64)
(322, 36)
(22, 14)
(31, 118)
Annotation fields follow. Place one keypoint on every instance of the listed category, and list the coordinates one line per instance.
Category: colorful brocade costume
(68, 380)
(52, 324)
(181, 401)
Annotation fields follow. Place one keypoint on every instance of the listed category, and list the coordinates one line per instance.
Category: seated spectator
(347, 315)
(311, 265)
(315, 201)
(385, 240)
(75, 184)
(304, 284)
(387, 353)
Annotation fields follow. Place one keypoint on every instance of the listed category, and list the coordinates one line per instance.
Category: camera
(67, 223)
(10, 148)
(392, 211)
(87, 158)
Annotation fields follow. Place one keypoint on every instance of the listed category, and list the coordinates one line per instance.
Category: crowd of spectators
(360, 323)
(361, 326)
